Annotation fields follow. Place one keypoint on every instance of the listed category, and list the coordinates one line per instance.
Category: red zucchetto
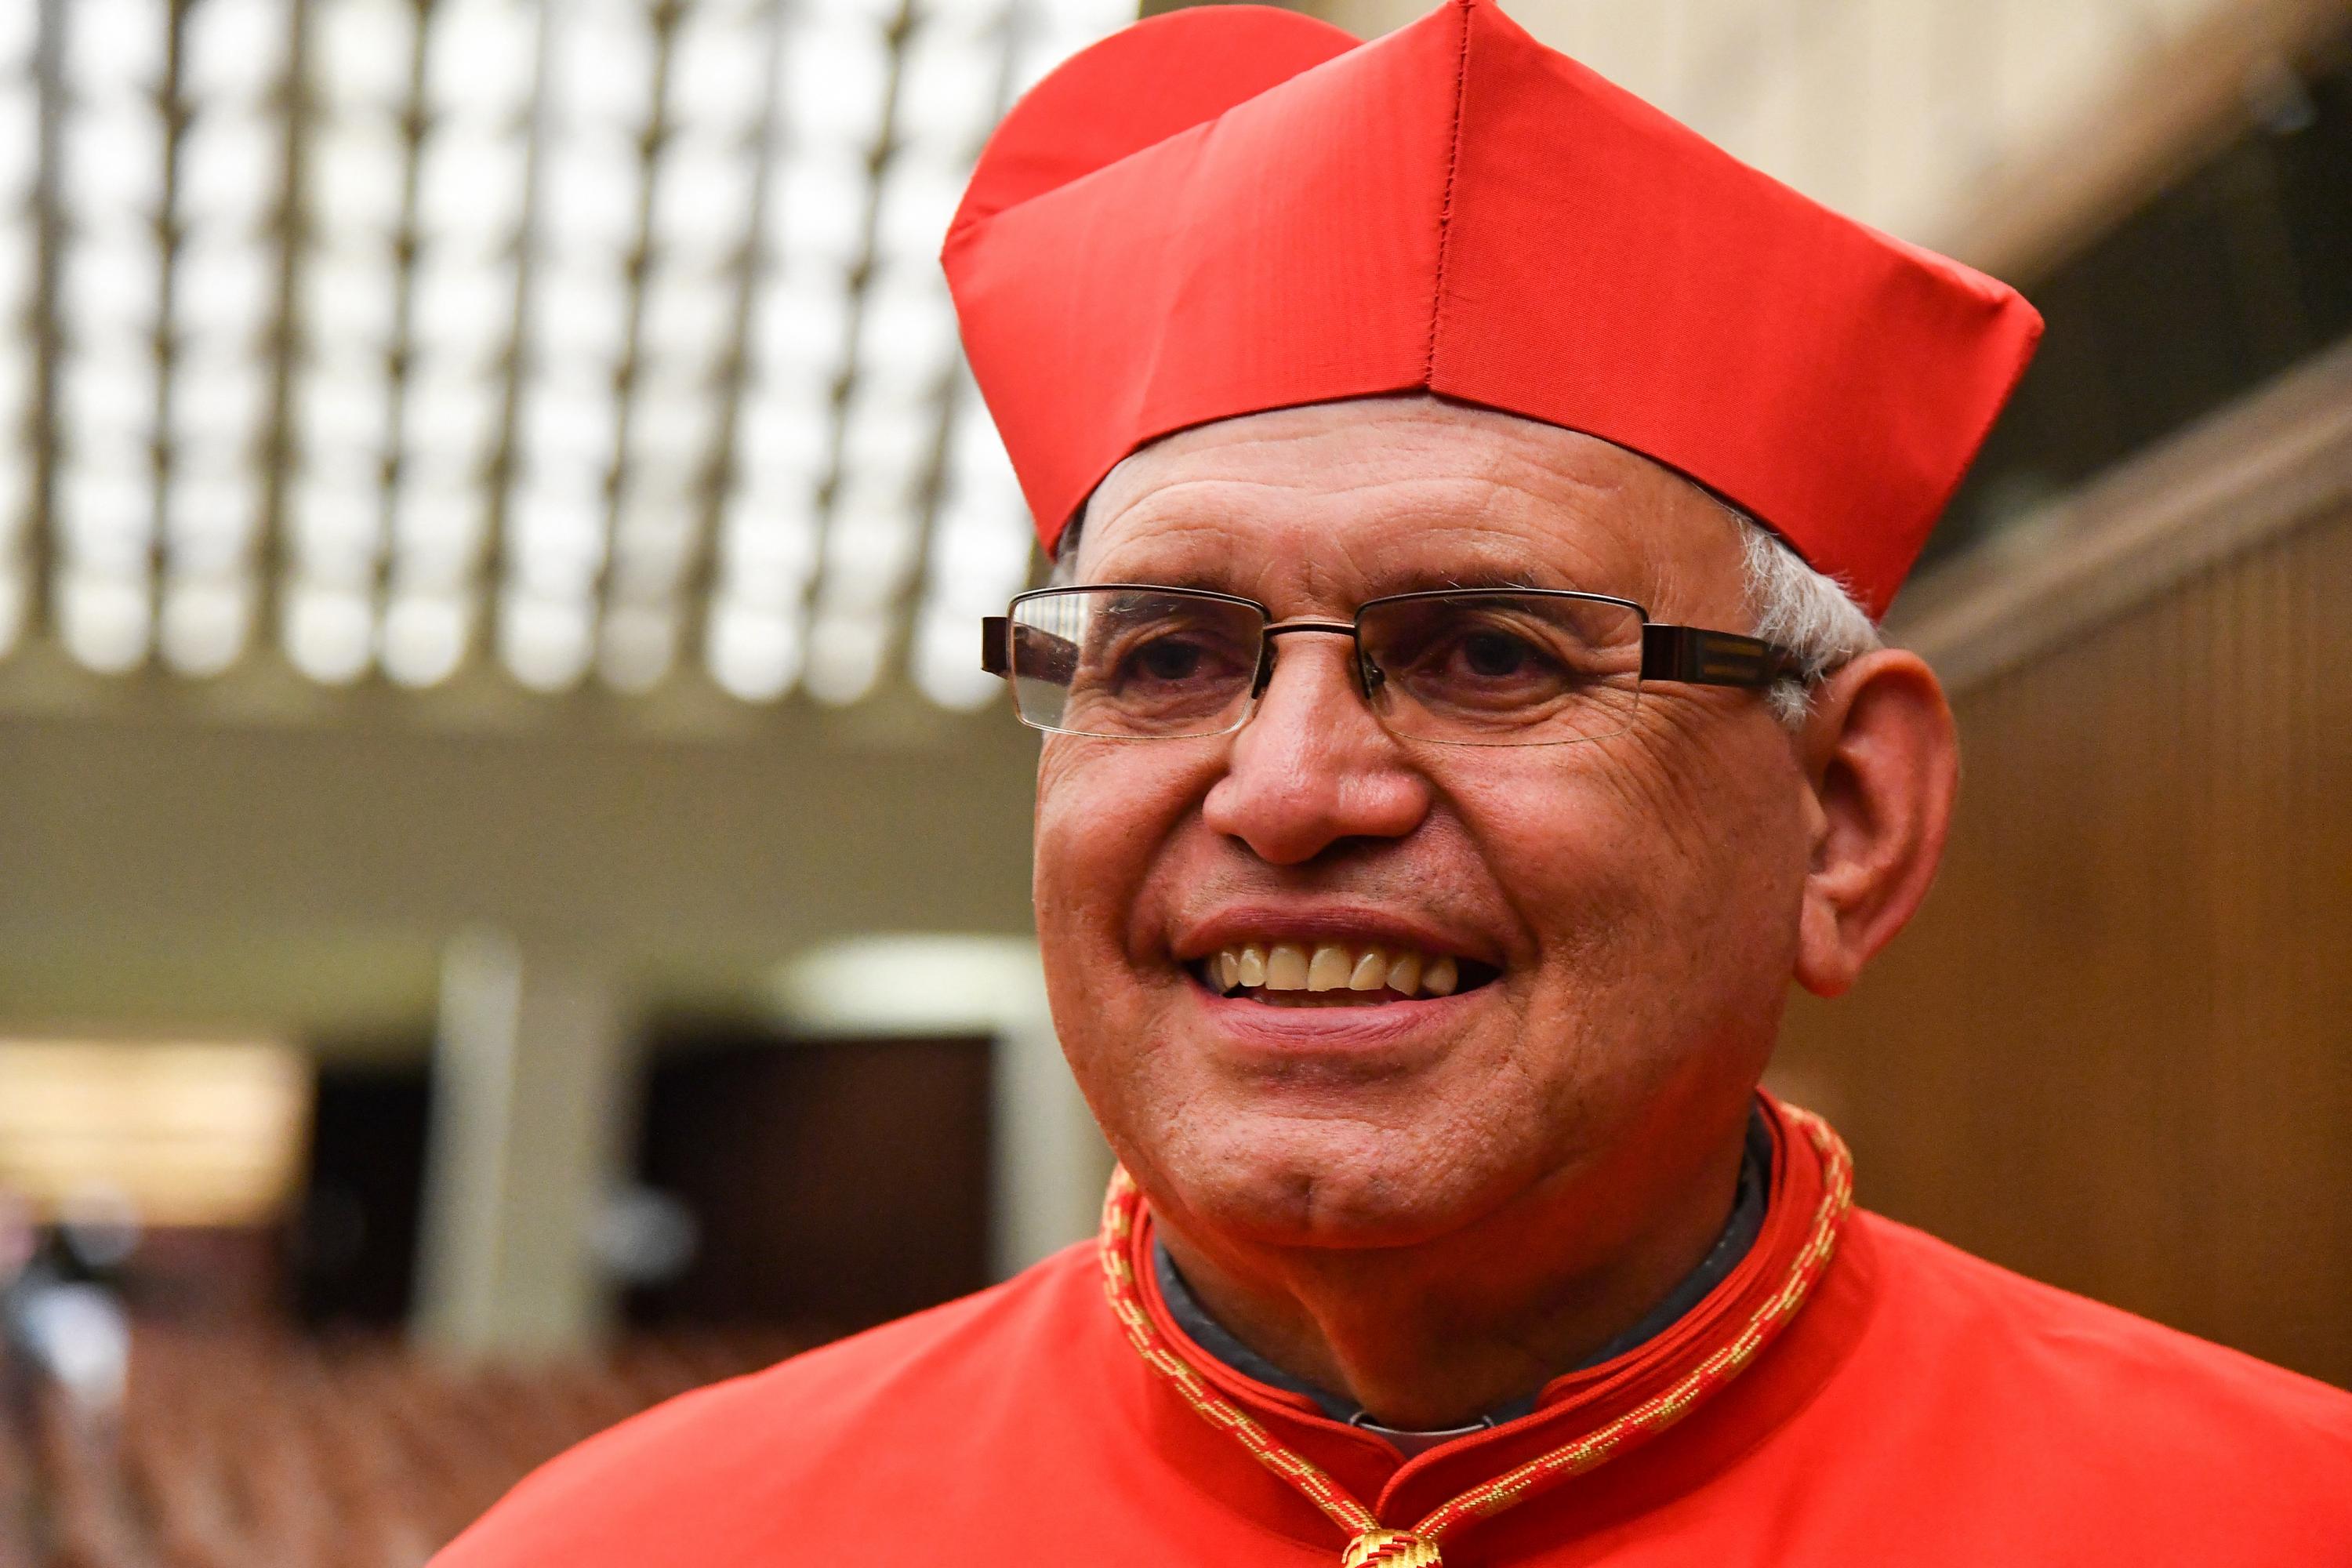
(1236, 208)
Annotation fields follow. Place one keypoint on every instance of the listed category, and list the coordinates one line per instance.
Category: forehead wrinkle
(1560, 505)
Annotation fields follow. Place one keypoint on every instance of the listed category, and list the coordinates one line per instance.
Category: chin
(1293, 1180)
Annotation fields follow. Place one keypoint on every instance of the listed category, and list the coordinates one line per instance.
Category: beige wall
(1900, 112)
(165, 864)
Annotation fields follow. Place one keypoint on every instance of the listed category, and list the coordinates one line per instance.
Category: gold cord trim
(1368, 1541)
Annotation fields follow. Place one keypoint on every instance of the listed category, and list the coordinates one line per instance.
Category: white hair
(1806, 612)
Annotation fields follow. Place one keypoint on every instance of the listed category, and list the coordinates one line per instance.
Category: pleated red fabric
(1233, 208)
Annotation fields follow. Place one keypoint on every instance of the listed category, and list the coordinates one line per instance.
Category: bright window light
(974, 16)
(604, 63)
(436, 537)
(836, 74)
(577, 312)
(637, 647)
(224, 285)
(345, 415)
(543, 640)
(754, 653)
(800, 333)
(845, 656)
(105, 620)
(362, 52)
(20, 29)
(107, 518)
(910, 223)
(817, 218)
(555, 544)
(783, 440)
(233, 51)
(108, 291)
(766, 553)
(114, 48)
(187, 1132)
(204, 622)
(535, 114)
(20, 133)
(229, 170)
(450, 421)
(946, 92)
(907, 344)
(887, 437)
(718, 69)
(469, 190)
(480, 61)
(946, 661)
(702, 202)
(689, 318)
(567, 431)
(333, 529)
(425, 637)
(868, 549)
(352, 172)
(209, 523)
(589, 202)
(330, 631)
(348, 297)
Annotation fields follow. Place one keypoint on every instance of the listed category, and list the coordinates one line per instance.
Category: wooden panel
(2114, 1051)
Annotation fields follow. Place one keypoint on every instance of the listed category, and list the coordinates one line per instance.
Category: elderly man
(1469, 494)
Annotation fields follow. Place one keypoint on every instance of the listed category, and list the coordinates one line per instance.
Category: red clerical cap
(1236, 208)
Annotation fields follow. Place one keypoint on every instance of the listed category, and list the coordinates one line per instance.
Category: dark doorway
(835, 1185)
(352, 1251)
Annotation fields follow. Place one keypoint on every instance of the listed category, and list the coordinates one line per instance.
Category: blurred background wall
(513, 892)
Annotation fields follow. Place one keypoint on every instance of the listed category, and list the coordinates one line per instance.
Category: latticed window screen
(596, 337)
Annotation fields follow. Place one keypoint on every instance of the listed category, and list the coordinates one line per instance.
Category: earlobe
(1882, 759)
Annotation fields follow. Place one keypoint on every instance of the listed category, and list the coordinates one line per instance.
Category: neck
(1434, 1336)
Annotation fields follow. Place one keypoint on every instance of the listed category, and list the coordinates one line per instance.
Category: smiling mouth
(1335, 974)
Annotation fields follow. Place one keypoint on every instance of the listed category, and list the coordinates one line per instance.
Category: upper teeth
(1329, 966)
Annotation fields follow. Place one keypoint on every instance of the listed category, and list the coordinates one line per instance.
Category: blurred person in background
(63, 1320)
(1471, 494)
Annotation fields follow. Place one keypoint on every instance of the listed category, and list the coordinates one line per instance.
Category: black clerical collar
(1738, 1235)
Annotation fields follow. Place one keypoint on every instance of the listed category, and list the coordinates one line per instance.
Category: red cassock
(1906, 1404)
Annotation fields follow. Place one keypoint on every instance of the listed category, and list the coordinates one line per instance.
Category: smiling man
(1469, 495)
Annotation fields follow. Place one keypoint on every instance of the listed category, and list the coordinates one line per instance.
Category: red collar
(1709, 1377)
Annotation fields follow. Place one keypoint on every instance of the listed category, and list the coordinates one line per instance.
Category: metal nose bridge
(1367, 677)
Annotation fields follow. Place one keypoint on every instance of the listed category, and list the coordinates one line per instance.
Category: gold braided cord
(1661, 1411)
(1120, 1206)
(1123, 1202)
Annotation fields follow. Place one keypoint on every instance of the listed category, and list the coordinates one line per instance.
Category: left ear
(1884, 761)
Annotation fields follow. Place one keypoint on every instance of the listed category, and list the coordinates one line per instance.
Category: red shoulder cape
(1924, 1408)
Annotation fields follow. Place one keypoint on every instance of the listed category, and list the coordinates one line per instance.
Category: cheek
(1654, 877)
(1106, 816)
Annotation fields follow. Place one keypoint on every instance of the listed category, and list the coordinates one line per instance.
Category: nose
(1312, 768)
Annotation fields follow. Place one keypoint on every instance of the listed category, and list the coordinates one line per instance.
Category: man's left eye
(1494, 654)
(1169, 660)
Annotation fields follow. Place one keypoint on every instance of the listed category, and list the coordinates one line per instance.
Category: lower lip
(1357, 1030)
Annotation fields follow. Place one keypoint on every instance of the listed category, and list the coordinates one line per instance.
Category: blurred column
(1050, 1164)
(530, 1075)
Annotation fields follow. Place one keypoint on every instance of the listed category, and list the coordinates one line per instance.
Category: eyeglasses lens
(1125, 663)
(1503, 668)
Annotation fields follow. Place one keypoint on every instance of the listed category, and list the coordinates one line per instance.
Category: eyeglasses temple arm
(1700, 657)
(995, 637)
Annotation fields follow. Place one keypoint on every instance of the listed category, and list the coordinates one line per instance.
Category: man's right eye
(1169, 659)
